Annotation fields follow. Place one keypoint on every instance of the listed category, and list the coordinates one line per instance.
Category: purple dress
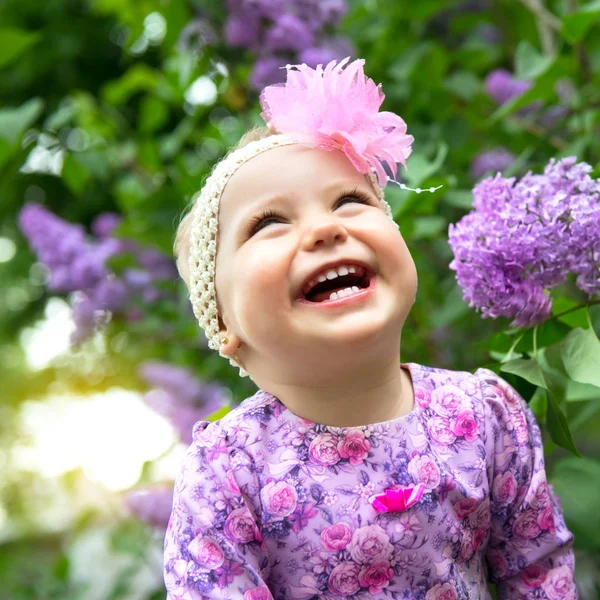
(269, 505)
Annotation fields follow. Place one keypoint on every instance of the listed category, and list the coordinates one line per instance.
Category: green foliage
(86, 83)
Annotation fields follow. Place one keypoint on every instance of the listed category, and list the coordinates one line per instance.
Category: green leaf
(450, 309)
(139, 77)
(463, 84)
(74, 174)
(582, 392)
(15, 121)
(399, 200)
(530, 63)
(557, 425)
(575, 26)
(420, 168)
(576, 318)
(219, 413)
(403, 67)
(428, 227)
(577, 482)
(14, 42)
(459, 198)
(154, 113)
(528, 369)
(580, 352)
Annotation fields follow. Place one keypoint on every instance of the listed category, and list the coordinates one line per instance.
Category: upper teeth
(332, 273)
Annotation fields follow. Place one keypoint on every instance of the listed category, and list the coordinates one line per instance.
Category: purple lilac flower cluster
(524, 238)
(279, 32)
(491, 162)
(180, 396)
(502, 86)
(151, 504)
(77, 263)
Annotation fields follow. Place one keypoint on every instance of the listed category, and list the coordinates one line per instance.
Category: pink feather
(337, 108)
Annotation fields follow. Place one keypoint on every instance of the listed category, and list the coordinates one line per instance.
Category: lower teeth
(344, 292)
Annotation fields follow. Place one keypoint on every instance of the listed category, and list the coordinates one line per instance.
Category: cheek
(259, 280)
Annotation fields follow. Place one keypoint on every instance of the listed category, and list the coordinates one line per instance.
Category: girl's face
(321, 213)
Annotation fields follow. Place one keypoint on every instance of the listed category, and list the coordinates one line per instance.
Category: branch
(546, 23)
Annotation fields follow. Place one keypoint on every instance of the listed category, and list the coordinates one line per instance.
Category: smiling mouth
(341, 286)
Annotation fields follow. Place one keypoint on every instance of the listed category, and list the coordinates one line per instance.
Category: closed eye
(269, 216)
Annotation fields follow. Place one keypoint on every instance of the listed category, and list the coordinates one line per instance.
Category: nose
(325, 233)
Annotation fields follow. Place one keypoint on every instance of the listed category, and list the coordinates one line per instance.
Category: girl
(348, 474)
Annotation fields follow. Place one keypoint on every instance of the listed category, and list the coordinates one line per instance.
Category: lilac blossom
(72, 262)
(151, 504)
(490, 33)
(524, 238)
(330, 50)
(267, 71)
(491, 161)
(79, 264)
(502, 86)
(182, 398)
(288, 33)
(281, 32)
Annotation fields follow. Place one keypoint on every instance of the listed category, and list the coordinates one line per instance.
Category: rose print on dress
(269, 505)
(336, 537)
(442, 591)
(369, 544)
(240, 527)
(279, 499)
(206, 552)
(260, 593)
(323, 450)
(354, 446)
(559, 584)
(425, 471)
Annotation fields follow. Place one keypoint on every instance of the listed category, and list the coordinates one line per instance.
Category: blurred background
(112, 113)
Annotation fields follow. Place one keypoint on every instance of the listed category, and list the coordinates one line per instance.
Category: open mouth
(340, 286)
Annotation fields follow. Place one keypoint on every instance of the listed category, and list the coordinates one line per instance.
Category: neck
(363, 396)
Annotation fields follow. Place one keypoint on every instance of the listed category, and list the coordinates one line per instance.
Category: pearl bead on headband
(332, 109)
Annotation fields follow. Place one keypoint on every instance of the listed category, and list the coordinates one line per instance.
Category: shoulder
(445, 389)
(238, 426)
(499, 394)
(483, 386)
(452, 395)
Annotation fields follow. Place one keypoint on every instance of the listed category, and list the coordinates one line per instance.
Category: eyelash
(269, 213)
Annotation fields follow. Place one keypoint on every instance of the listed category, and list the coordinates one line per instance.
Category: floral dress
(269, 505)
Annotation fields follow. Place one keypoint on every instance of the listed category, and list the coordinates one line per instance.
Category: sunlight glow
(8, 249)
(108, 435)
(48, 338)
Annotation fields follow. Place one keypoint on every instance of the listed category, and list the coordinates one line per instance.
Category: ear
(229, 340)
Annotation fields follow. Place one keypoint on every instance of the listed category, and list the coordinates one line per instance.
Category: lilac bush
(279, 32)
(79, 264)
(182, 398)
(502, 86)
(524, 238)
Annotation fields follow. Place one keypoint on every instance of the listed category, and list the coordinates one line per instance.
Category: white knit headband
(205, 232)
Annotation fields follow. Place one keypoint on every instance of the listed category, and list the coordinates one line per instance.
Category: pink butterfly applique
(398, 500)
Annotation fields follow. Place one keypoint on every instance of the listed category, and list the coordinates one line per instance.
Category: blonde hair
(181, 246)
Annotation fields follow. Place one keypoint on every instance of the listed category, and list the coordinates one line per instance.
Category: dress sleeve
(530, 550)
(213, 546)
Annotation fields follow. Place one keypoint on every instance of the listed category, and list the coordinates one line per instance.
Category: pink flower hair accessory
(337, 107)
(398, 500)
